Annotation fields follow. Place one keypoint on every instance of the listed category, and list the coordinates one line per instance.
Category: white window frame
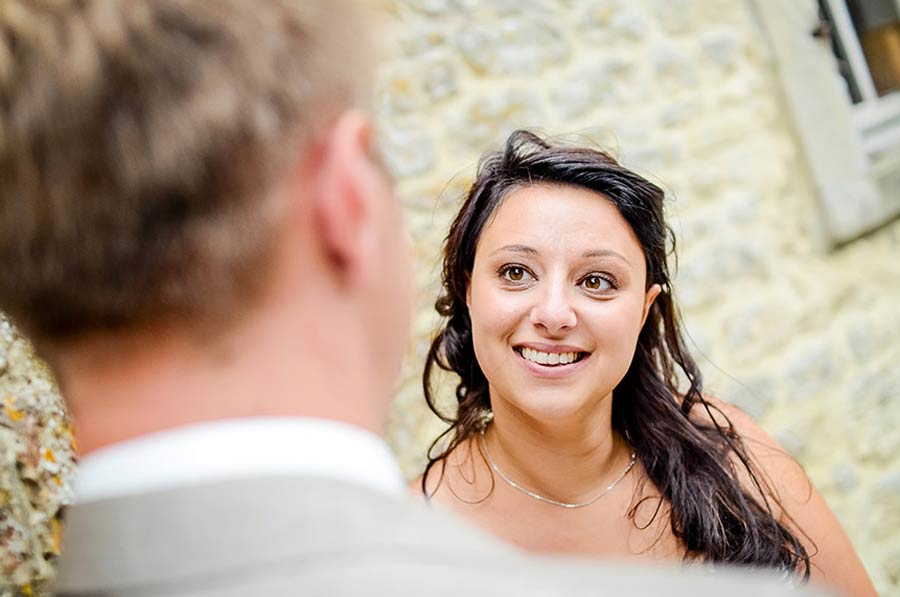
(853, 151)
(877, 118)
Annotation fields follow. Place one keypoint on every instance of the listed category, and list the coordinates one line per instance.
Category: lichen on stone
(37, 463)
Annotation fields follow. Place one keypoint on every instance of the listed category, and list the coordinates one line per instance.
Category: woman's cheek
(616, 325)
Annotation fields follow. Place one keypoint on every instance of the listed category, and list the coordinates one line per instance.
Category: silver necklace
(547, 500)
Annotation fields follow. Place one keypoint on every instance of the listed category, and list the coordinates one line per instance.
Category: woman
(581, 425)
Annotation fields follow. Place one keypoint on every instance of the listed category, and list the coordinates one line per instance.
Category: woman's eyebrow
(605, 253)
(516, 249)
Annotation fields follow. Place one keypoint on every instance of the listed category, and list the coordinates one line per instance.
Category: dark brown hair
(693, 463)
(140, 144)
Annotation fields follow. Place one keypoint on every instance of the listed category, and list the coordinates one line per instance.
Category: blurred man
(197, 237)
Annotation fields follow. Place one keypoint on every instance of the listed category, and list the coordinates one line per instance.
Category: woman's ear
(649, 298)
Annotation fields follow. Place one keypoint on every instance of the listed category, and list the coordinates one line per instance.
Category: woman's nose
(554, 311)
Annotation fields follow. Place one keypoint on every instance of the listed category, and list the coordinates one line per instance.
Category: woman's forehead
(545, 217)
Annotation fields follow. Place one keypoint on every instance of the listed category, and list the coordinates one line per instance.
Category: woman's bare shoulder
(781, 471)
(414, 488)
(795, 501)
(457, 479)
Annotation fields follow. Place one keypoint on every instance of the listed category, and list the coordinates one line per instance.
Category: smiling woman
(556, 273)
(581, 425)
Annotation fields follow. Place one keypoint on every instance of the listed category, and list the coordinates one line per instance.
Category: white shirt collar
(236, 448)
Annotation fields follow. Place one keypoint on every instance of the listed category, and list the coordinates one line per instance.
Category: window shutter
(852, 203)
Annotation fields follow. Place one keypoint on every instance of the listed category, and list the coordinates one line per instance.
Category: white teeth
(549, 358)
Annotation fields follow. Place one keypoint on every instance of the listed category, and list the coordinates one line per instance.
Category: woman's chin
(554, 408)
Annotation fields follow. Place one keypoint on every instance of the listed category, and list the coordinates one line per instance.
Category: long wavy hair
(694, 463)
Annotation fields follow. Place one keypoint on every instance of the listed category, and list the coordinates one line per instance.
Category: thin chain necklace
(547, 500)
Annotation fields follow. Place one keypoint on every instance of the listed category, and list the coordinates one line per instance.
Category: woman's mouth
(549, 359)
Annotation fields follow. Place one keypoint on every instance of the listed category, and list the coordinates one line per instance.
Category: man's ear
(345, 195)
(649, 298)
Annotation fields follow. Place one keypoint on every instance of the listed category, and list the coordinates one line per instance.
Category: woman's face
(557, 298)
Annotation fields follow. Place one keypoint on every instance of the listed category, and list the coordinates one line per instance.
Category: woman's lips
(556, 358)
(558, 361)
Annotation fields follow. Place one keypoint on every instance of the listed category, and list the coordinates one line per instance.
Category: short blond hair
(138, 141)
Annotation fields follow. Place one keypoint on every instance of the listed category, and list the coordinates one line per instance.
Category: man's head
(159, 158)
(142, 143)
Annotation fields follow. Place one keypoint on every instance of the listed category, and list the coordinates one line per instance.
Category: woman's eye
(514, 273)
(595, 282)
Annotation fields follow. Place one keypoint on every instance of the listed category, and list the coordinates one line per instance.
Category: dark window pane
(878, 26)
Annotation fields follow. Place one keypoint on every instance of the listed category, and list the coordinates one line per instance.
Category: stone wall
(802, 337)
(36, 467)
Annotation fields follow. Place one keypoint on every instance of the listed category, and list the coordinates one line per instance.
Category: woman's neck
(569, 461)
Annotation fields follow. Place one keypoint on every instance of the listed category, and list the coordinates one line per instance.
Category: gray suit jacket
(308, 536)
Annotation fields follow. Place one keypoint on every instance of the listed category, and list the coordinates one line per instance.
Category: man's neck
(267, 367)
